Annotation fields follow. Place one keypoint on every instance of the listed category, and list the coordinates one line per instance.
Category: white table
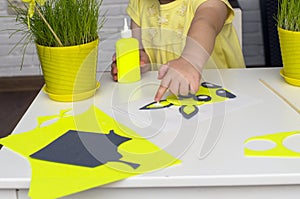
(291, 93)
(224, 173)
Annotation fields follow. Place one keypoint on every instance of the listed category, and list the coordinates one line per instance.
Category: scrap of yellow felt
(185, 101)
(189, 109)
(278, 151)
(54, 180)
(190, 101)
(161, 104)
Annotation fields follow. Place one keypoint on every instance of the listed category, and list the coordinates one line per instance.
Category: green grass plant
(61, 22)
(288, 16)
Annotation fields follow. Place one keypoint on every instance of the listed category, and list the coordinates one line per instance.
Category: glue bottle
(128, 57)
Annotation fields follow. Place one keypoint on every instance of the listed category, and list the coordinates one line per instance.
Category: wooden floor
(16, 94)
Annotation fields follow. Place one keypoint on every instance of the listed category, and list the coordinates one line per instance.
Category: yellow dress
(164, 29)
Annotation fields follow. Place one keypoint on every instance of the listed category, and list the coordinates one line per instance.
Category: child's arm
(183, 75)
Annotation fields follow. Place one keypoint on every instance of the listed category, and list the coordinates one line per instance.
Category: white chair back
(237, 23)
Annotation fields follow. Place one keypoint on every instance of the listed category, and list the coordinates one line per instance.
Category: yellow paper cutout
(208, 93)
(183, 101)
(189, 109)
(53, 180)
(158, 105)
(278, 151)
(203, 91)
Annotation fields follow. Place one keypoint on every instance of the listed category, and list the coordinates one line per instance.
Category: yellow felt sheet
(53, 180)
(211, 92)
(279, 150)
(207, 94)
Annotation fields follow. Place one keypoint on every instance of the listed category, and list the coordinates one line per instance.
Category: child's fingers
(144, 67)
(144, 57)
(114, 71)
(164, 85)
(184, 89)
(113, 57)
(162, 71)
(115, 77)
(194, 87)
(160, 93)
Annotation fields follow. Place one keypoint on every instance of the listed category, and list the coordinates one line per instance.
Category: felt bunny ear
(157, 105)
(188, 111)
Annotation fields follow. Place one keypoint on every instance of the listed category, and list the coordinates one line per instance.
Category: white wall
(10, 63)
(115, 11)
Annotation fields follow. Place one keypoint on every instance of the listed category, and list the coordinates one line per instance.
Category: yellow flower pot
(69, 72)
(290, 52)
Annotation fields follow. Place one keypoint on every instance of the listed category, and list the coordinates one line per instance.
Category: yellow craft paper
(53, 180)
(211, 92)
(161, 104)
(278, 151)
(189, 109)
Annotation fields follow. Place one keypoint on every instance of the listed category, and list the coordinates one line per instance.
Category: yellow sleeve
(134, 10)
(196, 3)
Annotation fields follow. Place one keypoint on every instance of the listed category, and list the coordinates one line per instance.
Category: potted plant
(66, 36)
(288, 22)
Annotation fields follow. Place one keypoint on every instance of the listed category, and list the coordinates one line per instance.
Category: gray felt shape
(224, 93)
(210, 85)
(84, 149)
(188, 115)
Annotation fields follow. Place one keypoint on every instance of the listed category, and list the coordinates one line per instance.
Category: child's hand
(180, 77)
(144, 64)
(114, 70)
(144, 61)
